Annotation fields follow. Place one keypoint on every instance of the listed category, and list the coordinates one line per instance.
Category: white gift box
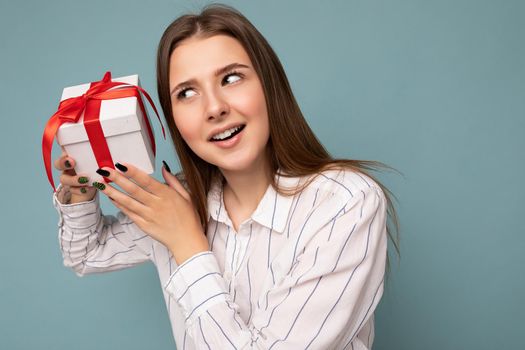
(125, 131)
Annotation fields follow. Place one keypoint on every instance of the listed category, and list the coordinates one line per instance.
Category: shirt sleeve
(328, 295)
(93, 243)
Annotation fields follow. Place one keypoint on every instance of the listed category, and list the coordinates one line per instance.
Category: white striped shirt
(303, 272)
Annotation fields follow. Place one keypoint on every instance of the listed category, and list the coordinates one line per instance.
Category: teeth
(225, 134)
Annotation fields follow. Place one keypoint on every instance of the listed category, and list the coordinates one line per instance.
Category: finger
(74, 180)
(64, 163)
(126, 184)
(138, 176)
(87, 191)
(137, 219)
(174, 183)
(122, 199)
(59, 162)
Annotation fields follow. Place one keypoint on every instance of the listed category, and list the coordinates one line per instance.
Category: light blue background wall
(435, 89)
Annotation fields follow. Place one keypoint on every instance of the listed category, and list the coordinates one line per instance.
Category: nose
(217, 108)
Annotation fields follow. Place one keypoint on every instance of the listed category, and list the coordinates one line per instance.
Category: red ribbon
(70, 110)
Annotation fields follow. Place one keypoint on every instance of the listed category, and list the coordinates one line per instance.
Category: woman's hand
(163, 211)
(78, 185)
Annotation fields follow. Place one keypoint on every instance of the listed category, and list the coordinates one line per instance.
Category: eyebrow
(217, 73)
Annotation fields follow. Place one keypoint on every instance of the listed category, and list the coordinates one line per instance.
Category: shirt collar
(272, 211)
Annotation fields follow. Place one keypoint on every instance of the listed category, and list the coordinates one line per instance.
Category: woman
(267, 242)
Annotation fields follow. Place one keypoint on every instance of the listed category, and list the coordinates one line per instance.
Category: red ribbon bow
(70, 110)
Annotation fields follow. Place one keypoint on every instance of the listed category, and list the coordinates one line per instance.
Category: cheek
(187, 128)
(262, 112)
(251, 102)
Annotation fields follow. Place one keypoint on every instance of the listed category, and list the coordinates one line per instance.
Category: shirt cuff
(197, 285)
(76, 215)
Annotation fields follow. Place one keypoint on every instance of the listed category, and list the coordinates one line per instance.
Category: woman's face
(216, 95)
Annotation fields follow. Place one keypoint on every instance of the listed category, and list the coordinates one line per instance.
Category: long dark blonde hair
(292, 147)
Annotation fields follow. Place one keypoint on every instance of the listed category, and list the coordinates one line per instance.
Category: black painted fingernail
(103, 172)
(99, 185)
(166, 166)
(67, 164)
(121, 167)
(83, 180)
(83, 190)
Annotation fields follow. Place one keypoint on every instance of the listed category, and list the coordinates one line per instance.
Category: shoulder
(343, 184)
(333, 201)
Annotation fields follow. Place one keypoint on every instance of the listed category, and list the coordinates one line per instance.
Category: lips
(238, 127)
(231, 141)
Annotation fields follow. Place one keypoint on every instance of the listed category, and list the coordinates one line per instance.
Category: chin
(233, 168)
(237, 165)
(242, 160)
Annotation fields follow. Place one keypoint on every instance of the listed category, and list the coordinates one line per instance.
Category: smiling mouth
(232, 135)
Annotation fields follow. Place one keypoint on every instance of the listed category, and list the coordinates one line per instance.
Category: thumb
(173, 182)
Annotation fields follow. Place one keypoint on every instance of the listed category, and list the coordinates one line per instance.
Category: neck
(246, 188)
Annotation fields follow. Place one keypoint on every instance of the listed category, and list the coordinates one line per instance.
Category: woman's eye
(232, 77)
(183, 94)
(228, 79)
